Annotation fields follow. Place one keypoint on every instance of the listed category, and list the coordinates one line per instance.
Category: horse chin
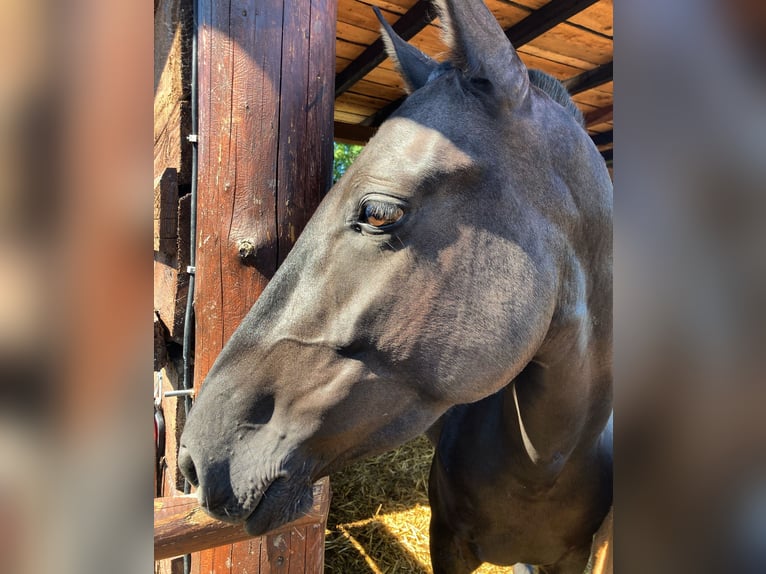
(282, 502)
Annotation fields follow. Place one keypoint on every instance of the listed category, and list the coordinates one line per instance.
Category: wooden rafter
(604, 138)
(543, 19)
(353, 133)
(590, 79)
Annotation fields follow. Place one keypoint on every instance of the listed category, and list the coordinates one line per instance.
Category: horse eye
(380, 213)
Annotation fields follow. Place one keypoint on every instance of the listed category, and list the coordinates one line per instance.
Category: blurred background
(76, 286)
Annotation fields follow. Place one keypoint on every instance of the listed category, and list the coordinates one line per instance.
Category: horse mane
(557, 92)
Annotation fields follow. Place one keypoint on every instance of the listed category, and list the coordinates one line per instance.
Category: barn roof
(569, 39)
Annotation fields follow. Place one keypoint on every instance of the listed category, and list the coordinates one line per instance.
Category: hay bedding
(379, 515)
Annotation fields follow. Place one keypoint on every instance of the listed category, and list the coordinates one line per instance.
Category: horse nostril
(186, 466)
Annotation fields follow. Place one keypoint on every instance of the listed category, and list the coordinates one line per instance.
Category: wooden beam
(266, 108)
(590, 79)
(604, 138)
(543, 19)
(383, 113)
(534, 25)
(608, 155)
(412, 22)
(182, 527)
(353, 133)
(599, 116)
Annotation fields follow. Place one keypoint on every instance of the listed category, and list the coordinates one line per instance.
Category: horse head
(430, 275)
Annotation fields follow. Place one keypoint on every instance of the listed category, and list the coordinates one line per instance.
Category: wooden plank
(320, 102)
(348, 118)
(572, 44)
(182, 527)
(367, 88)
(359, 103)
(314, 548)
(291, 208)
(594, 98)
(407, 26)
(170, 289)
(363, 16)
(172, 71)
(347, 51)
(397, 7)
(532, 50)
(265, 161)
(166, 213)
(597, 17)
(599, 115)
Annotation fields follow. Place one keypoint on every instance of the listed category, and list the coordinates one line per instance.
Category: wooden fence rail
(182, 527)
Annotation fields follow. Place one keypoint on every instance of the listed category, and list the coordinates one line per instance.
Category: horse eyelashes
(380, 213)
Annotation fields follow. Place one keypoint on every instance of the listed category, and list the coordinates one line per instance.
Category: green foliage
(344, 155)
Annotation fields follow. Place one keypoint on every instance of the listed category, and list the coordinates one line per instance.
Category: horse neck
(557, 407)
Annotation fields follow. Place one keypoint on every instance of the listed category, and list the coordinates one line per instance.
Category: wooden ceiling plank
(600, 115)
(399, 7)
(534, 25)
(594, 98)
(416, 18)
(597, 18)
(575, 42)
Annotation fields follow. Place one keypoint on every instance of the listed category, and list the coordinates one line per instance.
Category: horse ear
(414, 66)
(480, 48)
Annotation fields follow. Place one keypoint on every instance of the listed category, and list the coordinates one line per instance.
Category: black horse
(457, 279)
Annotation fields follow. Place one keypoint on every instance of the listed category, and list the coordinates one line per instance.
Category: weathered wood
(173, 24)
(265, 101)
(160, 350)
(171, 287)
(182, 527)
(166, 213)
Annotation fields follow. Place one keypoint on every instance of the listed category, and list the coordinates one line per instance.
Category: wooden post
(266, 73)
